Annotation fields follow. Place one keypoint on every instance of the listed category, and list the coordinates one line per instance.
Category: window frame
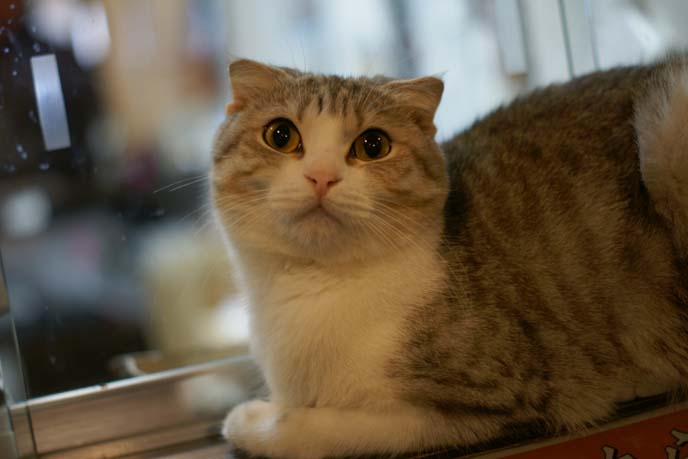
(128, 417)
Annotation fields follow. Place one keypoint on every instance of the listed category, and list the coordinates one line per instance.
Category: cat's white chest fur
(325, 336)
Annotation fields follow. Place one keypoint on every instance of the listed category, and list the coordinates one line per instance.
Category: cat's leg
(264, 429)
(661, 124)
(644, 385)
(657, 387)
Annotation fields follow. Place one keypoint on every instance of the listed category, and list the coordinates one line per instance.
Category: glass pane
(16, 435)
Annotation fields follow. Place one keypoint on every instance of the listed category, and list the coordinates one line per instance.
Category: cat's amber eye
(281, 134)
(371, 145)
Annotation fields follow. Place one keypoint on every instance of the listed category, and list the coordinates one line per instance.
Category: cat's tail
(661, 123)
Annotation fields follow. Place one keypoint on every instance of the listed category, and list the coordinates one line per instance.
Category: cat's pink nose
(322, 181)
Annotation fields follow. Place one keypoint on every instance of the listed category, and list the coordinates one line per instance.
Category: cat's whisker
(400, 235)
(405, 218)
(399, 217)
(248, 216)
(439, 194)
(203, 227)
(383, 229)
(233, 205)
(394, 240)
(179, 184)
(351, 211)
(371, 226)
(427, 246)
(420, 243)
(203, 209)
(188, 184)
(233, 202)
(282, 200)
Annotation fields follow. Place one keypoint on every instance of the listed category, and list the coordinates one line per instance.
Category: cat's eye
(282, 135)
(371, 145)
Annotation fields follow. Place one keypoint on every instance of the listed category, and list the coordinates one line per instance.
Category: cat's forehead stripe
(336, 95)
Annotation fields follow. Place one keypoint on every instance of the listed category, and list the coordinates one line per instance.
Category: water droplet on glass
(32, 116)
(158, 212)
(14, 73)
(36, 47)
(22, 153)
(10, 168)
(76, 162)
(53, 359)
(6, 50)
(12, 6)
(44, 166)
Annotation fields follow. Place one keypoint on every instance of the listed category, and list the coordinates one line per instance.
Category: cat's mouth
(319, 212)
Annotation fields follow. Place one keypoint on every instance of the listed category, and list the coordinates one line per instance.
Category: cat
(407, 296)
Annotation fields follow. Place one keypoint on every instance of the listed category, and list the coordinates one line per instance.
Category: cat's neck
(412, 263)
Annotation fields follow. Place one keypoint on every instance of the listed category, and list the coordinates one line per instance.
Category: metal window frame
(580, 38)
(129, 417)
(22, 445)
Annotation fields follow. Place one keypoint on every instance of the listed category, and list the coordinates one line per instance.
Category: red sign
(661, 437)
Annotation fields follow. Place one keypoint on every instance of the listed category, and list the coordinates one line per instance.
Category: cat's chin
(324, 236)
(317, 231)
(313, 237)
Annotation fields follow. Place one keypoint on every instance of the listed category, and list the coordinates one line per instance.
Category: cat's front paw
(264, 429)
(251, 423)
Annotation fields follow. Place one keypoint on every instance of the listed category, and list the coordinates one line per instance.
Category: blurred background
(107, 114)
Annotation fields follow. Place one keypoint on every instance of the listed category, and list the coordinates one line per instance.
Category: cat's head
(328, 168)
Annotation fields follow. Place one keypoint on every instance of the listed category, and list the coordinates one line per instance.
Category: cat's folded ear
(421, 95)
(249, 79)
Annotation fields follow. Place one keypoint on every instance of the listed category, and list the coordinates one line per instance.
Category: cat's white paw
(264, 429)
(250, 424)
